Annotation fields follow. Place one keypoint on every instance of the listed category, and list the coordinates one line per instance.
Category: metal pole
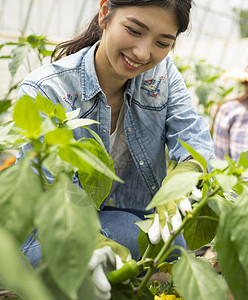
(81, 12)
(1, 11)
(31, 2)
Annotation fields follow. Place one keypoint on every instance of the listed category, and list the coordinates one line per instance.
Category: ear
(103, 13)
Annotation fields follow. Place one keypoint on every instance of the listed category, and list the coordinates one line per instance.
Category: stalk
(164, 252)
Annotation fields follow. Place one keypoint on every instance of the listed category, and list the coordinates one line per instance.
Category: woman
(119, 73)
(231, 124)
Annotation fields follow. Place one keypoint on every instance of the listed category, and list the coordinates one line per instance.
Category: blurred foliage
(205, 84)
(19, 55)
(243, 22)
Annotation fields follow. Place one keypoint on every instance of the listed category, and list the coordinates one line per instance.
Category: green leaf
(144, 243)
(95, 183)
(56, 166)
(144, 225)
(176, 187)
(125, 291)
(4, 105)
(18, 55)
(200, 231)
(243, 160)
(72, 114)
(73, 124)
(86, 290)
(98, 139)
(78, 156)
(195, 278)
(27, 117)
(47, 125)
(59, 136)
(19, 191)
(219, 164)
(5, 129)
(195, 154)
(45, 105)
(68, 235)
(226, 181)
(60, 113)
(232, 246)
(14, 273)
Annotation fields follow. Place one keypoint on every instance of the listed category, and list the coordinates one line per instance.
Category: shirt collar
(90, 84)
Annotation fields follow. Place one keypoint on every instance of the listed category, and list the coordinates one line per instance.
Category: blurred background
(217, 40)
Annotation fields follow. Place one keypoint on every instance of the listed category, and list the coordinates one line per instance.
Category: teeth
(131, 63)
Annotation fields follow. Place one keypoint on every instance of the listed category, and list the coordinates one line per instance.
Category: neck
(110, 84)
(111, 87)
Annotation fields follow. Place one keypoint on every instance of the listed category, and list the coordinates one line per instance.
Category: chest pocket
(151, 91)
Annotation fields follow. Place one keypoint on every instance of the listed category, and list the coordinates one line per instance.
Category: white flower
(196, 193)
(154, 231)
(165, 232)
(176, 220)
(185, 206)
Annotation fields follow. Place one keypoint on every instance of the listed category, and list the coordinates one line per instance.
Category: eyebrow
(137, 22)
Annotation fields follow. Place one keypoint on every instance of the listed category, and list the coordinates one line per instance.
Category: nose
(142, 51)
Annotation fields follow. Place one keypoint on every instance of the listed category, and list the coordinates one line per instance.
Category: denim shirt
(159, 112)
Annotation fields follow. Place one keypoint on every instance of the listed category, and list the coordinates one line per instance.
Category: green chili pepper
(127, 271)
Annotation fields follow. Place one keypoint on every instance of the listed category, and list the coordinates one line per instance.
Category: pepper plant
(67, 221)
(64, 215)
(205, 83)
(23, 54)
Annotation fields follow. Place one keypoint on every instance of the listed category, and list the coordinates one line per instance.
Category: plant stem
(164, 252)
(146, 253)
(39, 169)
(208, 218)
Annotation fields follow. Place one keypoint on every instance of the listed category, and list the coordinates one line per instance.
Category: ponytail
(88, 38)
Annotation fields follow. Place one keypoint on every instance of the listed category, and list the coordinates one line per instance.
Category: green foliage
(64, 215)
(66, 218)
(19, 56)
(204, 82)
(196, 279)
(243, 17)
(17, 199)
(201, 231)
(231, 246)
(171, 192)
(16, 275)
(125, 292)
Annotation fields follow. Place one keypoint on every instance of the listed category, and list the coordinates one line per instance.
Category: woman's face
(134, 40)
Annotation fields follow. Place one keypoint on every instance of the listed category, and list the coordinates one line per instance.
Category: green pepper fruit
(128, 271)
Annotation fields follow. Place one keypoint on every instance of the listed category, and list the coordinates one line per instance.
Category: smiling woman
(118, 73)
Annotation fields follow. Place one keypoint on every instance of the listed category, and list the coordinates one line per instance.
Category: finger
(100, 256)
(101, 296)
(100, 280)
(97, 258)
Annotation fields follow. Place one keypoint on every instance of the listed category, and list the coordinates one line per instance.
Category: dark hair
(93, 33)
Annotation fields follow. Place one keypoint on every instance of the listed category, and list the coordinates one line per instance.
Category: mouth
(131, 64)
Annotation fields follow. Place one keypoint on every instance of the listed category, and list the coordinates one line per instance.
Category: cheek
(161, 55)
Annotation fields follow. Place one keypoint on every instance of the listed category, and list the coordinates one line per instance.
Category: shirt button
(104, 130)
(129, 129)
(153, 187)
(141, 162)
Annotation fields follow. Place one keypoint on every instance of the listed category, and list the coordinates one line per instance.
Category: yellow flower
(167, 297)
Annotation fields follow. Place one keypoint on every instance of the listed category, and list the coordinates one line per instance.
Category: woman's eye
(133, 31)
(163, 45)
